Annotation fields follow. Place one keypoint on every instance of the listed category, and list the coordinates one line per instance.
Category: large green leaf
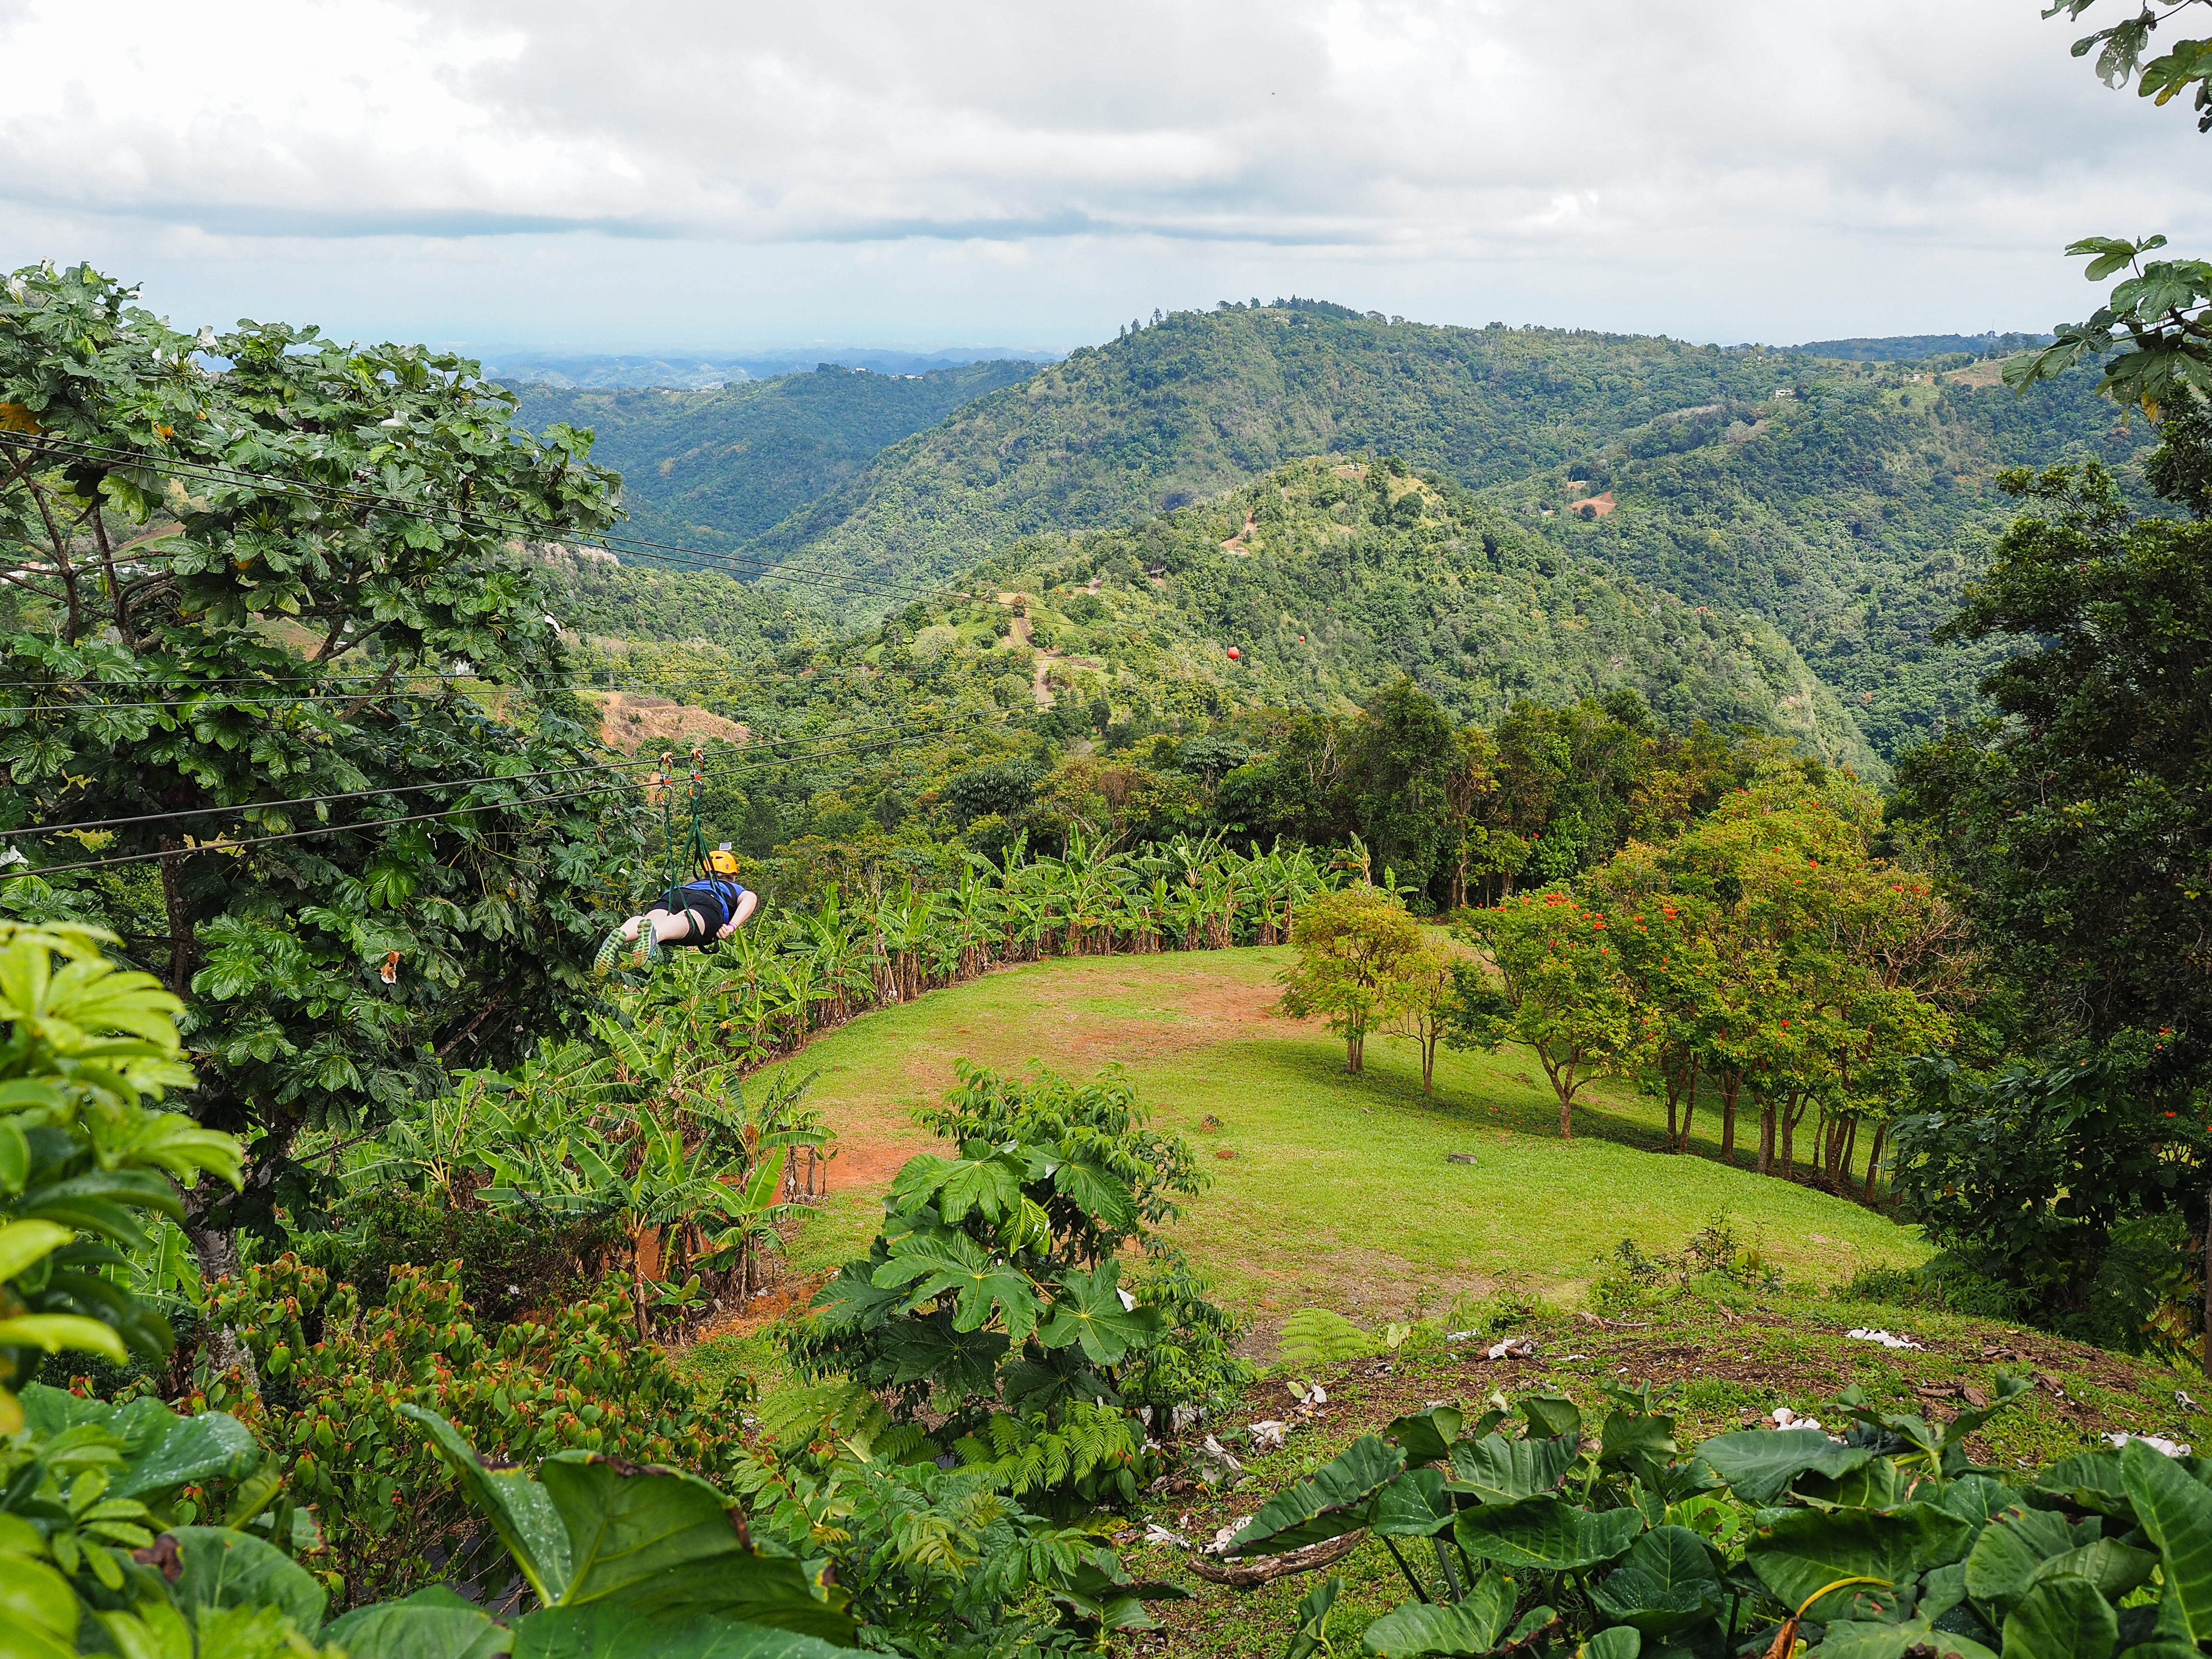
(519, 1510)
(431, 1624)
(1553, 1415)
(1427, 1436)
(227, 1569)
(163, 1452)
(2111, 1565)
(1867, 1639)
(665, 1544)
(1336, 1498)
(1100, 1195)
(1414, 1505)
(932, 1262)
(1548, 1532)
(1312, 1634)
(1473, 1624)
(2090, 1480)
(1758, 1464)
(1977, 1500)
(1495, 1470)
(1628, 1437)
(38, 1610)
(1669, 1582)
(603, 1631)
(2005, 1556)
(984, 1179)
(1621, 1642)
(932, 1350)
(2062, 1618)
(2176, 1513)
(1806, 1551)
(1086, 1309)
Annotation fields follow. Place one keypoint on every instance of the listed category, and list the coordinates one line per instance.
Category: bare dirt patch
(631, 720)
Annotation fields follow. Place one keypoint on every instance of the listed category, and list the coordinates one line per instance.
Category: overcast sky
(721, 174)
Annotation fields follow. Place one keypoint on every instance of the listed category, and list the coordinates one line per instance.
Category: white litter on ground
(1268, 1436)
(1156, 1534)
(1513, 1347)
(1862, 1334)
(2155, 1442)
(1785, 1419)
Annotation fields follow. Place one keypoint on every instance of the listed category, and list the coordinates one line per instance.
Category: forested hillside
(715, 468)
(1200, 402)
(1851, 517)
(1330, 579)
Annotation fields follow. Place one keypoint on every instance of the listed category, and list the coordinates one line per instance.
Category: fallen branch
(1266, 1568)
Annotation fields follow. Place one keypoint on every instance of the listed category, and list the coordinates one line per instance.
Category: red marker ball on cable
(1234, 654)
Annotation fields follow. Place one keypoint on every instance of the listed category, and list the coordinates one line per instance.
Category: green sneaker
(611, 950)
(648, 950)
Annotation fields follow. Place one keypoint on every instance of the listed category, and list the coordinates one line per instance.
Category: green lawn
(1328, 1190)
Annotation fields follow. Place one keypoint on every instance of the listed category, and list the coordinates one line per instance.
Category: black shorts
(709, 906)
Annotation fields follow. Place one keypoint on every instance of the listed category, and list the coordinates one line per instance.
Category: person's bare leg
(666, 927)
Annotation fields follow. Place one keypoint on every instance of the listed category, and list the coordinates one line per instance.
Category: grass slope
(715, 468)
(1328, 1190)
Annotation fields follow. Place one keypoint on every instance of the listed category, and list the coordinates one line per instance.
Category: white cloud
(674, 171)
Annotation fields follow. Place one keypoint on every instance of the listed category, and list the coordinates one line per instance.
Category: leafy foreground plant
(103, 1540)
(993, 1300)
(624, 1558)
(1882, 1543)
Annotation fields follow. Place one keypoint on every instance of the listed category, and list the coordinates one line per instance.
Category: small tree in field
(1424, 1004)
(1354, 948)
(1562, 993)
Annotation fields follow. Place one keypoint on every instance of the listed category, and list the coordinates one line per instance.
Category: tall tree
(278, 644)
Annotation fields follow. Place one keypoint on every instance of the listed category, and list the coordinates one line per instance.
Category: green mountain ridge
(1330, 577)
(715, 468)
(1203, 402)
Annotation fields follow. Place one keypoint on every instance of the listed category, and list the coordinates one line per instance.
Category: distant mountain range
(1839, 498)
(706, 371)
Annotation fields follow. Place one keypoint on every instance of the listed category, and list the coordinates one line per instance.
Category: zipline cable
(808, 746)
(340, 828)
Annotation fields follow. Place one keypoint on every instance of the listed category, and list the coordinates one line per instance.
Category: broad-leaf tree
(1354, 947)
(270, 629)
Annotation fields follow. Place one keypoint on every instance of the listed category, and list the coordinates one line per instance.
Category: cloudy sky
(723, 173)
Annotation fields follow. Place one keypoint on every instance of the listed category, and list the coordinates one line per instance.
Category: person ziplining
(699, 912)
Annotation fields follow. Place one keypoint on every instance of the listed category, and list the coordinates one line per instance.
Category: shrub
(337, 1372)
(993, 1303)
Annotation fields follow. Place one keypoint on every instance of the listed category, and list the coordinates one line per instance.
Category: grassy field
(1328, 1191)
(1335, 1192)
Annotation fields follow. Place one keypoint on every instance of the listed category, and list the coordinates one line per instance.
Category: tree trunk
(217, 1250)
(1355, 1045)
(1730, 1082)
(1429, 1059)
(180, 926)
(1766, 1141)
(1874, 1160)
(1842, 1177)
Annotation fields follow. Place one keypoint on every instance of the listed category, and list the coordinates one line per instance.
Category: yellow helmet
(722, 861)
